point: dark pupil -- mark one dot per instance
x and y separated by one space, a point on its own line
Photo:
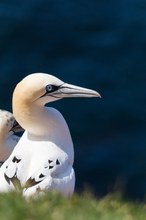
51 88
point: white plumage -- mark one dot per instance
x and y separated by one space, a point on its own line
43 158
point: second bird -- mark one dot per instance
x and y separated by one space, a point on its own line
8 130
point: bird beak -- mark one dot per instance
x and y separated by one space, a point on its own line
16 128
68 91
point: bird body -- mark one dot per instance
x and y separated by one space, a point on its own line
43 158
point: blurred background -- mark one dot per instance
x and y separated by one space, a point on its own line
98 44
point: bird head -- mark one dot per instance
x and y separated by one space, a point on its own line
42 88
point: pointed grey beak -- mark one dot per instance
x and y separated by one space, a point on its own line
68 91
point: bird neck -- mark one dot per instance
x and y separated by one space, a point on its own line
31 117
4 133
5 150
42 122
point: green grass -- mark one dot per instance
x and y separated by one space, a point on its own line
79 207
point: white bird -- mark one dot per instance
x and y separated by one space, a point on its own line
43 158
8 128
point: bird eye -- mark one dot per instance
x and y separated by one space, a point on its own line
51 88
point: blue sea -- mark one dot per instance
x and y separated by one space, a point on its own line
99 44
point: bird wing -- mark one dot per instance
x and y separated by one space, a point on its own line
53 174
11 172
63 183
43 178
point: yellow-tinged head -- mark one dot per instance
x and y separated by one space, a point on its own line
43 88
35 90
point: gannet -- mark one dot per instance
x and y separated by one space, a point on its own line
43 158
8 138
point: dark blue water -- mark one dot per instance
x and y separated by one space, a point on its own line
99 44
